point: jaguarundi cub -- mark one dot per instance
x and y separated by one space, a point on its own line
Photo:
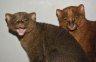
73 19
44 42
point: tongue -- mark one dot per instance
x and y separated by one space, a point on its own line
21 31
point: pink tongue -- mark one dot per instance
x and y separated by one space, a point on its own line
21 31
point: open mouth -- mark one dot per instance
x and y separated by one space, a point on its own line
21 31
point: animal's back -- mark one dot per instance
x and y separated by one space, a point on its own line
60 46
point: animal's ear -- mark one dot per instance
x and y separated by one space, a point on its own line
59 13
8 17
33 16
81 9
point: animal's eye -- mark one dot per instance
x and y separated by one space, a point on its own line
25 20
65 19
76 17
15 20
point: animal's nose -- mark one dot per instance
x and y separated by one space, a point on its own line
71 21
20 25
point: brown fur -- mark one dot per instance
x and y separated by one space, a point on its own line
73 19
44 42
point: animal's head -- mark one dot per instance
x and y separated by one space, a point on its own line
70 17
20 23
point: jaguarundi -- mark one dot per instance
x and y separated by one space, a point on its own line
44 42
73 19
